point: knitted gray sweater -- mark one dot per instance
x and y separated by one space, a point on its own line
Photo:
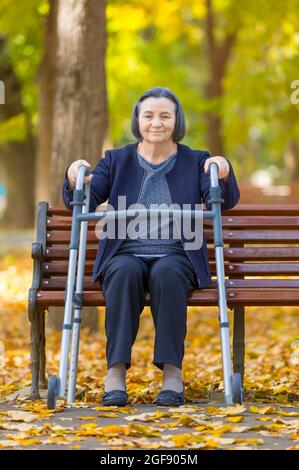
154 190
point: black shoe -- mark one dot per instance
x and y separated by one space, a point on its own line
115 397
170 398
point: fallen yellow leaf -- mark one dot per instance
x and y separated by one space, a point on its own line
250 440
114 429
151 416
211 410
266 410
89 426
141 430
24 416
28 442
285 413
226 411
232 410
225 440
189 420
240 429
235 419
182 440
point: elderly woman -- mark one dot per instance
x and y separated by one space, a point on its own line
154 170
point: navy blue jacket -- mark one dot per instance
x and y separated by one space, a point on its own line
119 174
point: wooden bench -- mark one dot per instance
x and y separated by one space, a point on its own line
261 246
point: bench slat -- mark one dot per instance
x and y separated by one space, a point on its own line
204 297
227 221
229 236
242 209
60 283
59 267
237 254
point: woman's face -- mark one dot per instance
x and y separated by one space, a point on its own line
157 120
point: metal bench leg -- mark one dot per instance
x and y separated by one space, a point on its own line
239 340
34 355
43 383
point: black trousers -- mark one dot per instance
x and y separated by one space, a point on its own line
125 279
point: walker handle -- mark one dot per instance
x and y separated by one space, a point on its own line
83 171
213 169
87 170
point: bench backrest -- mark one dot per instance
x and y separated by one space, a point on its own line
279 194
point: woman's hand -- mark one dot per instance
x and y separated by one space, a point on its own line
72 173
223 166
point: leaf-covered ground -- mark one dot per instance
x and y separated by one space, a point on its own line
269 417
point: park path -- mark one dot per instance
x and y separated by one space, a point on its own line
84 426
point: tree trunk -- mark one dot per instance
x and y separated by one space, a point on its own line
16 158
46 84
291 160
80 109
218 56
214 120
80 105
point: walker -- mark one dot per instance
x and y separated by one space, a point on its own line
233 391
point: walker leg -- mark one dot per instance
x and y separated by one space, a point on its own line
57 385
74 357
67 324
78 300
215 199
224 328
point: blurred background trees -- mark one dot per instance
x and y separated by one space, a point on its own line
73 71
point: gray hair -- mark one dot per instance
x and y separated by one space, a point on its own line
160 92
